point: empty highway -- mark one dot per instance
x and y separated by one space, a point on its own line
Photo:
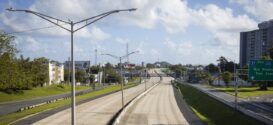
98 111
156 107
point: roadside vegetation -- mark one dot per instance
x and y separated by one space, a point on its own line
214 112
19 74
38 92
7 119
245 92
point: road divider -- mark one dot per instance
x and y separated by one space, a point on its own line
131 103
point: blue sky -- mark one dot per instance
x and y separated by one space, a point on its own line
186 32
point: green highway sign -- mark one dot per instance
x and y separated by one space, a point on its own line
260 70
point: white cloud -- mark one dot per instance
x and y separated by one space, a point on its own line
121 40
154 52
32 45
261 9
140 48
215 19
190 53
175 16
182 49
223 24
98 35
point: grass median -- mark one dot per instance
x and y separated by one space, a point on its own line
39 92
18 115
245 92
212 111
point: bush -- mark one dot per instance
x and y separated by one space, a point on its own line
226 76
60 86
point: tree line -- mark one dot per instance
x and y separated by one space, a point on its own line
21 73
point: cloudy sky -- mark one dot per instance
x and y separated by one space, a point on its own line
177 31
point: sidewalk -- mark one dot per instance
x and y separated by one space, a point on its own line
262 111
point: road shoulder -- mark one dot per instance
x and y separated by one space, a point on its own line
185 109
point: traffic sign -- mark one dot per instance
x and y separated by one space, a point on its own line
260 70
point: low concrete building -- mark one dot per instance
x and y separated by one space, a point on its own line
79 65
55 73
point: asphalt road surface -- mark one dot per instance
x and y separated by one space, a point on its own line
157 107
98 111
11 107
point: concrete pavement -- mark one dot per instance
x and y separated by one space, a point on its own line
98 111
156 107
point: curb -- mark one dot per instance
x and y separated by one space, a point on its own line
185 109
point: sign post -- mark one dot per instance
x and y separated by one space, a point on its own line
260 70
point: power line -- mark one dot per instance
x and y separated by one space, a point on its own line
33 29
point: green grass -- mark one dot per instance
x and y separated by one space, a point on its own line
15 116
245 92
214 112
38 92
202 117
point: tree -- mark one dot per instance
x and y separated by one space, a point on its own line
11 79
19 74
178 69
25 66
92 78
226 76
111 74
95 69
211 68
7 45
222 62
80 76
40 71
149 65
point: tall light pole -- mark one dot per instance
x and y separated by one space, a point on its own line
87 22
120 59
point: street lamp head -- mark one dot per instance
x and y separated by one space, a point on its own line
132 9
10 9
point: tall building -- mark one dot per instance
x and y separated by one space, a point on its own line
256 43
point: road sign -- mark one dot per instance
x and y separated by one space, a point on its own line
260 70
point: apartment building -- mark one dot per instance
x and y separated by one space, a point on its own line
56 72
256 43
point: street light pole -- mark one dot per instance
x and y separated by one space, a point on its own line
72 31
145 79
73 103
121 75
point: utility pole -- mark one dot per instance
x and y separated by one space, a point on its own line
127 51
71 29
96 57
121 74
69 67
145 79
235 85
